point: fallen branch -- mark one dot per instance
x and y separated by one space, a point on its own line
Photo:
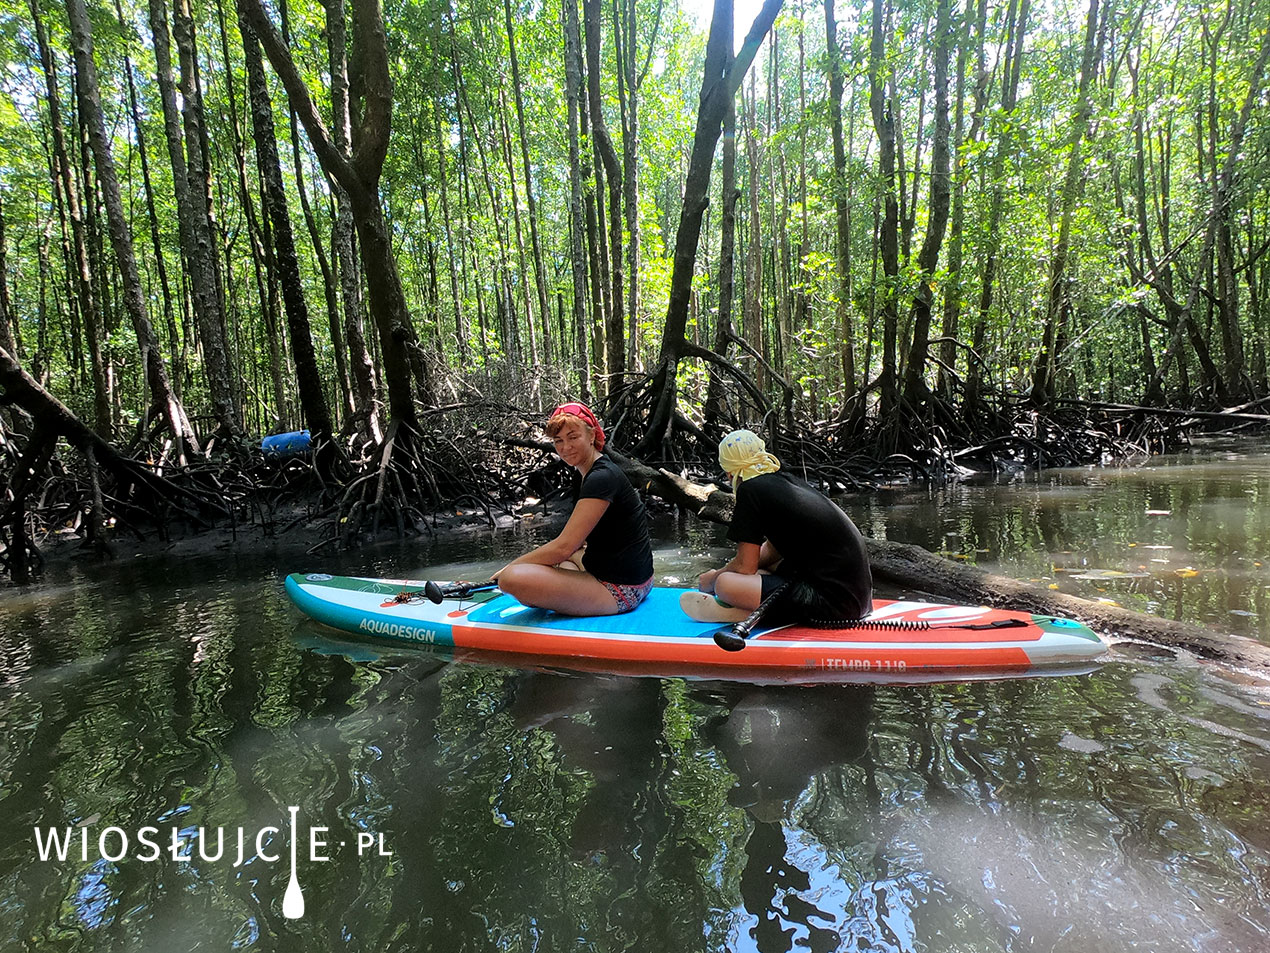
911 566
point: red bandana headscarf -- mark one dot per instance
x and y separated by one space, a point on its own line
583 413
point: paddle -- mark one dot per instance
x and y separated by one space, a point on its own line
732 638
455 590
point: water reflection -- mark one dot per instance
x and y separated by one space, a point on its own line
599 726
776 741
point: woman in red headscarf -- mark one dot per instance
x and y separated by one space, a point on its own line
606 536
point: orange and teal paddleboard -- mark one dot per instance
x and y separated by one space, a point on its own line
899 637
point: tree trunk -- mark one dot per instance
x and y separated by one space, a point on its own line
363 367
723 332
85 296
780 217
176 154
625 40
152 215
1224 213
535 357
951 326
719 85
360 178
1016 30
923 301
460 322
615 331
7 317
160 389
884 125
802 305
842 207
597 246
312 397
531 200
202 252
105 282
629 80
343 390
577 221
752 310
330 291
597 284
260 243
508 333
1044 372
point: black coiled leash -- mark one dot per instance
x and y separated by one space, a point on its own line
732 638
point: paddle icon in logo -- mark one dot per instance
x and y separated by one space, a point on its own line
293 899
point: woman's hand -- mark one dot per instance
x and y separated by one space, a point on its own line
570 544
705 582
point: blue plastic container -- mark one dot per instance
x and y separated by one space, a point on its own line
283 446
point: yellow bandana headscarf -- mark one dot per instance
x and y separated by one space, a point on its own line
743 455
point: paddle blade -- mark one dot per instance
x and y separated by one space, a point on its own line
293 900
433 592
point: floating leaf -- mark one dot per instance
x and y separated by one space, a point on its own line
1187 572
1105 575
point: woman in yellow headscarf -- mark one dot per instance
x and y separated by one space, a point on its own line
787 533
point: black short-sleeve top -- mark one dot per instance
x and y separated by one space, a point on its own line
619 549
817 542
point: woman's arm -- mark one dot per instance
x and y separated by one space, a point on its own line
582 520
745 561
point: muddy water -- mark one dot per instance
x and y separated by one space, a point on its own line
160 719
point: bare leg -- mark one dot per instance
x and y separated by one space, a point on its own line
743 590
567 591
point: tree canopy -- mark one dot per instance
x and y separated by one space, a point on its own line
220 219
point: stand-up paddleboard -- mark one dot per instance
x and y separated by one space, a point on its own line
898 638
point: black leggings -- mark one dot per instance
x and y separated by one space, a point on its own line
798 603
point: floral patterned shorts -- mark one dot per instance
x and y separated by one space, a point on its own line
628 597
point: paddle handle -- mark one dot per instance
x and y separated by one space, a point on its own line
436 593
732 638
